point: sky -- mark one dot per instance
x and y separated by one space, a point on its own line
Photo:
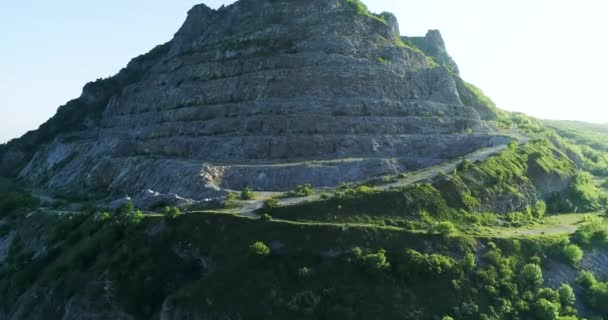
547 58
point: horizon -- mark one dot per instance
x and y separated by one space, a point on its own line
54 50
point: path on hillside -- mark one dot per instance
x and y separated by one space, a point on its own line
249 208
553 225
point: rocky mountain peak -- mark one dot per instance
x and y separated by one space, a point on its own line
434 38
266 94
433 45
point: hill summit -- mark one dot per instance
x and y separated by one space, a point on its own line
266 94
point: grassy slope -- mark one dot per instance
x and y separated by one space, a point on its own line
145 270
481 187
203 260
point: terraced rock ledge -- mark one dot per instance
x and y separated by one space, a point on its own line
293 92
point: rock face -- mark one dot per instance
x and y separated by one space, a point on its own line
263 93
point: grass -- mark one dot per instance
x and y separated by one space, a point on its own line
551 225
362 9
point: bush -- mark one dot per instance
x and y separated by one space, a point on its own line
445 228
259 249
231 197
373 262
171 213
596 291
418 266
546 310
266 217
539 210
566 295
531 276
128 215
464 165
573 254
247 194
586 279
104 217
271 203
304 190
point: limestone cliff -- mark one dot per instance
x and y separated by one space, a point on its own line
261 93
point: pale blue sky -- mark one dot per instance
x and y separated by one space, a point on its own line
546 58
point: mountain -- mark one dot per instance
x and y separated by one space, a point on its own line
300 159
262 94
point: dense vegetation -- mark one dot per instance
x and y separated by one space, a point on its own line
470 196
319 272
588 141
417 252
422 251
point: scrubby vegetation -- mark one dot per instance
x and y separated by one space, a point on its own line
389 274
14 200
596 292
247 194
362 9
470 197
300 191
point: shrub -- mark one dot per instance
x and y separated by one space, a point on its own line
128 215
566 295
416 265
586 279
573 254
266 217
104 217
464 165
546 310
259 249
596 291
271 203
304 190
531 276
247 194
231 197
445 228
373 262
539 210
171 213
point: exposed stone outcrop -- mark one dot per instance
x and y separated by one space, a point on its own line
253 94
433 45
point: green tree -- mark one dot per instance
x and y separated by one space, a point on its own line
540 209
259 249
271 203
531 276
445 228
371 261
566 295
546 310
573 254
586 279
128 215
104 217
171 213
247 194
